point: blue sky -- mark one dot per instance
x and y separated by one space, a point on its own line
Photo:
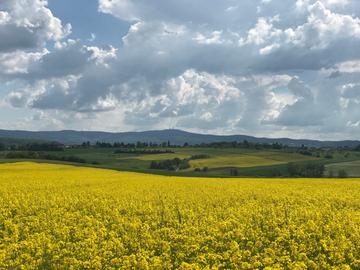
270 68
86 20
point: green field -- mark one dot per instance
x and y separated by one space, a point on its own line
227 158
247 160
218 161
352 168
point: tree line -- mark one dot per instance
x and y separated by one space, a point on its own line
45 156
170 164
46 147
138 144
304 150
178 164
142 151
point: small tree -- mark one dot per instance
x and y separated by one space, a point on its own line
2 147
328 156
342 174
234 172
154 165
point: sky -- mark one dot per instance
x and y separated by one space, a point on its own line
273 68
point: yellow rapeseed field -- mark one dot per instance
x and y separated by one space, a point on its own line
64 217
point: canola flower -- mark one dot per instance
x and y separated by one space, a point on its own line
65 217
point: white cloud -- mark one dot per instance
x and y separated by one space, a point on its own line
18 62
28 24
302 5
248 66
352 66
322 29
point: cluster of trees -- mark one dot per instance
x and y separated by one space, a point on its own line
44 156
310 169
234 144
306 170
142 151
234 172
340 174
178 164
312 151
126 145
46 146
305 152
244 144
199 156
204 169
328 156
170 164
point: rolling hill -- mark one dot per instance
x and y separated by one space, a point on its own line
177 137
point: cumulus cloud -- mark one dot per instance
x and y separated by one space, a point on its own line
224 65
304 111
17 62
184 12
28 24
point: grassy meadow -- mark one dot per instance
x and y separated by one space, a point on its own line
225 158
218 161
352 168
64 217
214 162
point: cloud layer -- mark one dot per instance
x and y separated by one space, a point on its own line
263 67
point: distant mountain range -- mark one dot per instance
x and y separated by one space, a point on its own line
177 137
